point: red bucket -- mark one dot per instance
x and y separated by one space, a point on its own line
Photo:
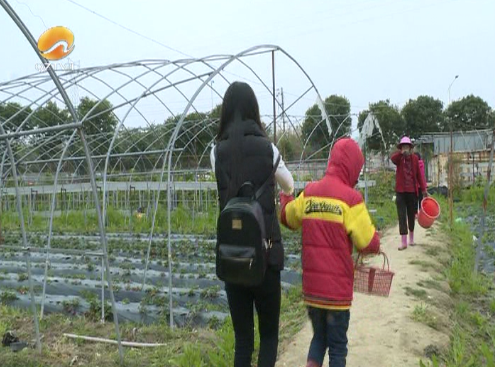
430 211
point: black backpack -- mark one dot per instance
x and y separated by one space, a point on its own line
242 247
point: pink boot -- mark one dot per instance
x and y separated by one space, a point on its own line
312 363
403 244
411 239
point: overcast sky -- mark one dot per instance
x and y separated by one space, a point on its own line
366 50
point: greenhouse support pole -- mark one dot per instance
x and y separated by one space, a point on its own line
485 204
451 179
24 238
274 101
102 290
29 37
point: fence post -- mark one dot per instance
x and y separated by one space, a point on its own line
485 204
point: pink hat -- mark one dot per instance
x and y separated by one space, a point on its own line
405 140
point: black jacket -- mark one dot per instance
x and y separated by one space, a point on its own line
256 166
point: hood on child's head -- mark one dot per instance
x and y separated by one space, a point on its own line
346 161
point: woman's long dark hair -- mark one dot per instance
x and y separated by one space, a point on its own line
239 105
239 98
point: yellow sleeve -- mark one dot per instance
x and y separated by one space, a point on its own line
294 212
359 226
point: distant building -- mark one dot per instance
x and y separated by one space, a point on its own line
471 154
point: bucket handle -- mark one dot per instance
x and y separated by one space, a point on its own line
385 260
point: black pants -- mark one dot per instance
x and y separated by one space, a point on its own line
266 299
329 332
407 205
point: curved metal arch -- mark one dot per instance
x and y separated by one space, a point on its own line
13 15
208 126
19 128
93 77
117 129
270 92
145 93
308 139
188 134
114 91
50 225
174 137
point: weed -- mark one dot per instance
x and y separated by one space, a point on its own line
210 292
22 277
7 297
431 284
432 251
191 357
88 296
418 293
214 323
489 355
423 315
76 276
425 265
462 309
94 313
71 306
469 334
434 362
223 354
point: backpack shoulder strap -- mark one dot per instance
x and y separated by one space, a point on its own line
263 187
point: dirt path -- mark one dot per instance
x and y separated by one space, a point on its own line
382 332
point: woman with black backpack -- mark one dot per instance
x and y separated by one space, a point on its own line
244 154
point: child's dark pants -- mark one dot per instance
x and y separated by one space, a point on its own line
329 331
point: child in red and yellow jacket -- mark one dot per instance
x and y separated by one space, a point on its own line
333 218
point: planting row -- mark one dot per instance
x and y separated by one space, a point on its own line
74 282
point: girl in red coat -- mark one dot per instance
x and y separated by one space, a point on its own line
334 218
408 180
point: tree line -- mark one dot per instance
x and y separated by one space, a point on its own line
309 139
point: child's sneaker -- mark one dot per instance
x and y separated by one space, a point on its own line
403 244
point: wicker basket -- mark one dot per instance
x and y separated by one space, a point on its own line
373 280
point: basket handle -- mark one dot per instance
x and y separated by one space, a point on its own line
385 260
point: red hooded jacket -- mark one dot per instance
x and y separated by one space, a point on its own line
399 160
333 218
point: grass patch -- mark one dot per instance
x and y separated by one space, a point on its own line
425 265
7 297
418 293
431 284
77 221
473 295
432 251
184 347
424 315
